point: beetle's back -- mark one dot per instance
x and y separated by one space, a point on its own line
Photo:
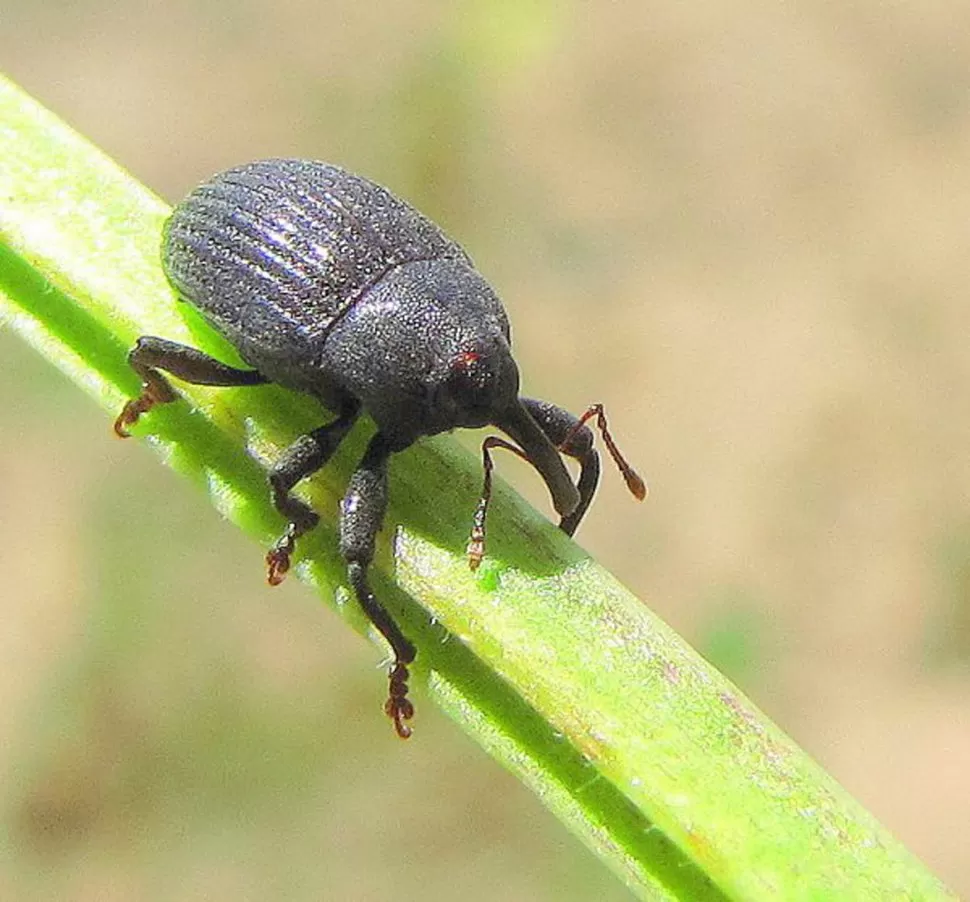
274 252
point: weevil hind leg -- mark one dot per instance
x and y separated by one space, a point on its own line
361 515
151 354
301 459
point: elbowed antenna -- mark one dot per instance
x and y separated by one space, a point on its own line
543 455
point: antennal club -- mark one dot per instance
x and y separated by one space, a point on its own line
570 436
633 480
476 543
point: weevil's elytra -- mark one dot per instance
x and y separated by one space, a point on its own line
328 284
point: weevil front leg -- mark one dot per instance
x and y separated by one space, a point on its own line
151 354
304 457
573 437
361 515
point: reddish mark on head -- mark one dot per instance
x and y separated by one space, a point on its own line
465 360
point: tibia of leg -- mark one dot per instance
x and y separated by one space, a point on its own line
152 354
398 706
574 439
304 457
362 514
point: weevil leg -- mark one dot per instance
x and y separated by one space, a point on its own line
151 354
361 516
570 437
305 456
574 438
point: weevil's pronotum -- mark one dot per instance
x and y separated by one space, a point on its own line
329 284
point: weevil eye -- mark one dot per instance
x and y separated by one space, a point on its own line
466 387
467 374
475 385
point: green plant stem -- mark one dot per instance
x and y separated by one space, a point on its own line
648 754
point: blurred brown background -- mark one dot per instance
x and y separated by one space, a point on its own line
744 228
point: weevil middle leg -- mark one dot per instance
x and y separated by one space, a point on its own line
304 457
361 515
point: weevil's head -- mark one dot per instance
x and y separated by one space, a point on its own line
428 350
480 387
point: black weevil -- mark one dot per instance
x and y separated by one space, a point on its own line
329 284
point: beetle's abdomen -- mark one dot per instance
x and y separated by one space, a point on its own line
283 248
